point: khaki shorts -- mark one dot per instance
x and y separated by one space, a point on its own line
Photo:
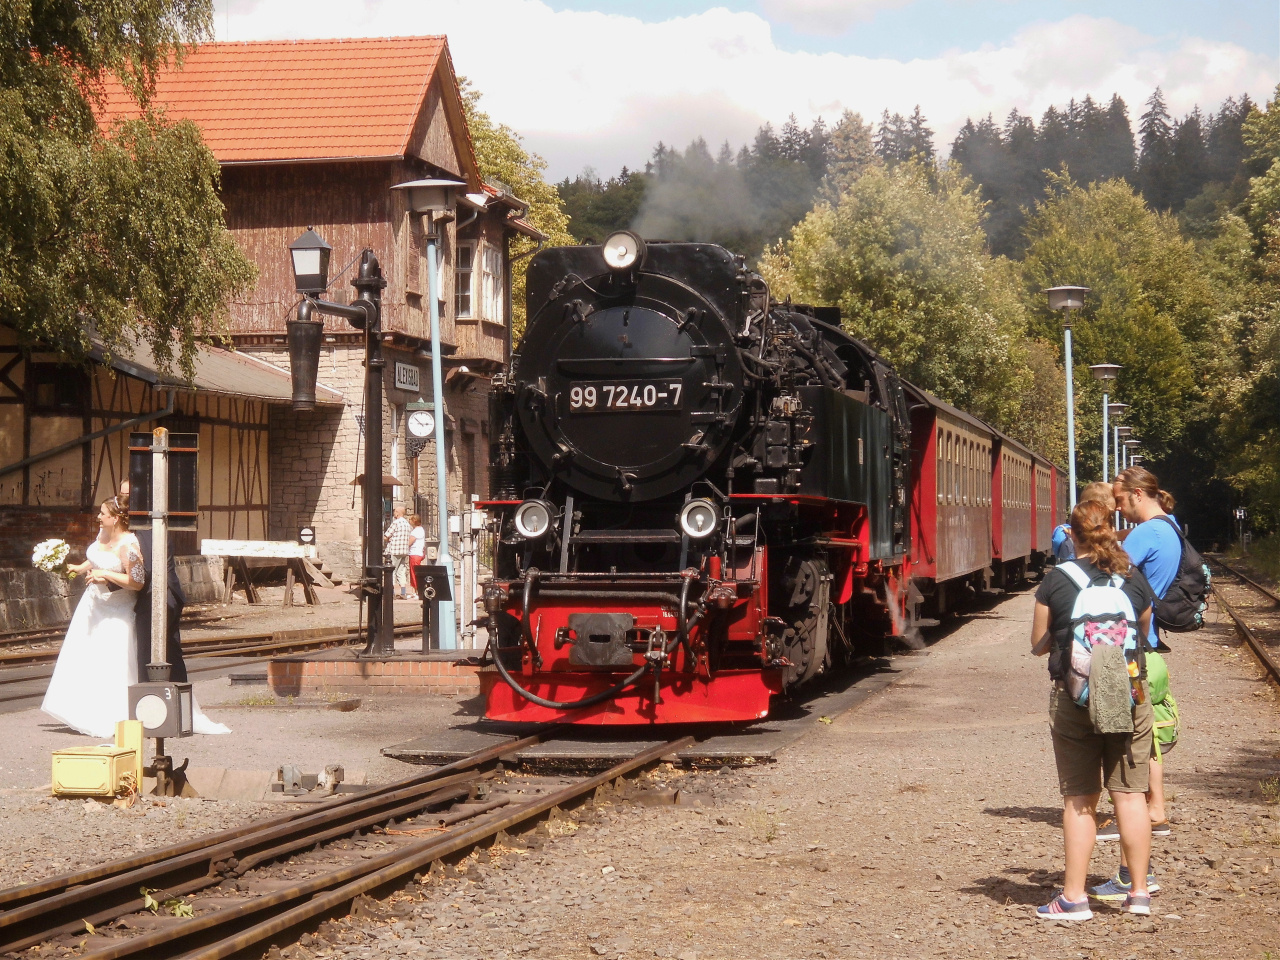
1087 760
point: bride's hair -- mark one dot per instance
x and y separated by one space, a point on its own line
119 511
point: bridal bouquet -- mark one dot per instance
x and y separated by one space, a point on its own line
51 556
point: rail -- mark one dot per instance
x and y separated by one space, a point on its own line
448 802
1266 653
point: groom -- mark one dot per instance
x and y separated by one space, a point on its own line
176 600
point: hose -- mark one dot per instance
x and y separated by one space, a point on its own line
613 691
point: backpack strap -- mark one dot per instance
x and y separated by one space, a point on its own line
1176 529
1075 574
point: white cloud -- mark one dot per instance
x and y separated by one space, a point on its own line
601 89
826 17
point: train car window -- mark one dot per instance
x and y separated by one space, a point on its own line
950 468
968 472
939 473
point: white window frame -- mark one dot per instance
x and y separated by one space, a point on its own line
491 299
464 281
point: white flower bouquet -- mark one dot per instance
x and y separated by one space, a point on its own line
51 556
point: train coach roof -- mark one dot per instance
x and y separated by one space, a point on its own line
924 396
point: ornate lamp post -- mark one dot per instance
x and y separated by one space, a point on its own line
310 258
1106 372
1068 299
431 199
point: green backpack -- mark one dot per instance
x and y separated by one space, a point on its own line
1163 706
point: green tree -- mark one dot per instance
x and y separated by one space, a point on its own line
902 253
503 159
109 234
1150 301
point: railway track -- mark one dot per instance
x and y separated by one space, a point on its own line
262 882
1255 610
231 650
239 644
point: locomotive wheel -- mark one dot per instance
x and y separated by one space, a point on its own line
807 649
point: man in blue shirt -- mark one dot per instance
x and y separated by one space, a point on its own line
1156 549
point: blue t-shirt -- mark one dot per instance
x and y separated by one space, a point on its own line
1064 548
1155 548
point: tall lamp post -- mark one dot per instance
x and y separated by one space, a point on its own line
1068 300
1121 434
1115 411
310 260
431 199
1105 372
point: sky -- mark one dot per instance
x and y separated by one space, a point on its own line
597 83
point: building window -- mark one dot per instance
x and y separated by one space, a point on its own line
56 388
491 285
462 272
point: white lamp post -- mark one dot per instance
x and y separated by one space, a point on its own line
429 198
1106 372
1068 299
1115 411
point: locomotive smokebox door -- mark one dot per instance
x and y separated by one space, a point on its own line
600 639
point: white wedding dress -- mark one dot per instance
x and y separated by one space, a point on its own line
89 690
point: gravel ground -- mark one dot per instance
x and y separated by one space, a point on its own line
923 823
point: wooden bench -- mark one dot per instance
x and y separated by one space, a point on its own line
296 558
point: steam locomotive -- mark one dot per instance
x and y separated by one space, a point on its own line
705 498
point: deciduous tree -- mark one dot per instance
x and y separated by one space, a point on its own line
109 234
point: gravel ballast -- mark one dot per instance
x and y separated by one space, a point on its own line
923 823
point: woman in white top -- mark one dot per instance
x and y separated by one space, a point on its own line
417 548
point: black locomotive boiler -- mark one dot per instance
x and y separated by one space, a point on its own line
702 494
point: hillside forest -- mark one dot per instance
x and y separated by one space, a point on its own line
940 262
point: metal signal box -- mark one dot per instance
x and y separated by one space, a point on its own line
105 771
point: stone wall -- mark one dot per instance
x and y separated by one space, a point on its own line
316 455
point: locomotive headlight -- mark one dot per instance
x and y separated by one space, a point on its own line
623 250
698 519
533 519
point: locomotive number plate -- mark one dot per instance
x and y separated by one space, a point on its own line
623 396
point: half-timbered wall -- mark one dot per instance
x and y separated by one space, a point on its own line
59 495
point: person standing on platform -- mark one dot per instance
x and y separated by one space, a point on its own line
1155 548
396 540
417 548
1086 759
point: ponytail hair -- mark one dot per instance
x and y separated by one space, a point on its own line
1139 478
1091 527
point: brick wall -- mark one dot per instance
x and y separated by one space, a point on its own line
296 677
21 528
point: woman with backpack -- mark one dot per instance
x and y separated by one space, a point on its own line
1089 615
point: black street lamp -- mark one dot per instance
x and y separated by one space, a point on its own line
310 260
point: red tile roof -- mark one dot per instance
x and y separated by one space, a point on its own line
299 100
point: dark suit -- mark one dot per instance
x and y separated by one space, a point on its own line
177 599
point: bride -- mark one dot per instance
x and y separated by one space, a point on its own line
89 690
96 666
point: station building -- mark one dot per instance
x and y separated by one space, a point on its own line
308 134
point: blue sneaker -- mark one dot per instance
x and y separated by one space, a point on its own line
1060 908
1114 891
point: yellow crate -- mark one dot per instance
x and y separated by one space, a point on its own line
93 771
